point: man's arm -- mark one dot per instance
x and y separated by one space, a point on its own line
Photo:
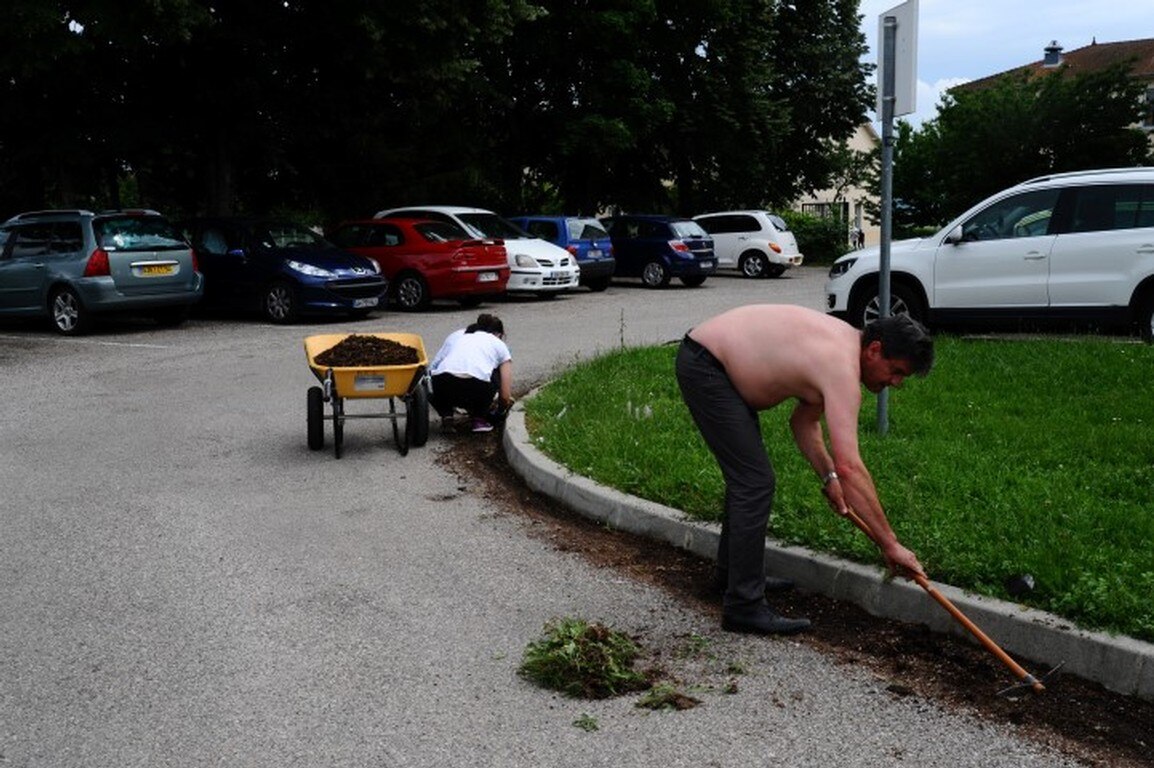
806 425
854 486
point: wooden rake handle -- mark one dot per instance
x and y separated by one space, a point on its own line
971 627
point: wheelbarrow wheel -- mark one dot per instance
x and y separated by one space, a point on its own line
316 418
338 425
400 436
417 416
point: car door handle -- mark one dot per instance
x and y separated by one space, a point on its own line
1034 256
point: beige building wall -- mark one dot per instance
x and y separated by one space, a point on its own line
864 139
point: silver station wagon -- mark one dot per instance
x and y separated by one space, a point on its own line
74 265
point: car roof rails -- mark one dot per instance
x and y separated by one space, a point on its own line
1086 173
131 212
51 212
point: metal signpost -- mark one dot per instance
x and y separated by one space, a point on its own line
897 95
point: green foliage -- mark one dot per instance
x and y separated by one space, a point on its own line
587 722
583 660
666 697
349 106
821 240
986 139
1012 457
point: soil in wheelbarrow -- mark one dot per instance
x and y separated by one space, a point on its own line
362 351
1077 718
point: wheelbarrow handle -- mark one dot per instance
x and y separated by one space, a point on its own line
961 618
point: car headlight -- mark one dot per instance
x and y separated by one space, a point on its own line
525 260
841 267
308 269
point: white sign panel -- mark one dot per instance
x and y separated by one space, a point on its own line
905 58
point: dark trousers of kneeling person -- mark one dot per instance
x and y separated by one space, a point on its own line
473 395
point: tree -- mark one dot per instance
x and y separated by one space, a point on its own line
1023 126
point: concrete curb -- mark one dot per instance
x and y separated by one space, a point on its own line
1121 664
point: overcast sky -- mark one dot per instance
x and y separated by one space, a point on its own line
960 40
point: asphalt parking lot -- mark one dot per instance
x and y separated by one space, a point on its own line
186 584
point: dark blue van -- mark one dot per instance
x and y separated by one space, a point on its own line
657 248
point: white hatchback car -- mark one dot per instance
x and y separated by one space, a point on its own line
758 243
1077 246
535 265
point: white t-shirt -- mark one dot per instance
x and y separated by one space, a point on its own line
475 354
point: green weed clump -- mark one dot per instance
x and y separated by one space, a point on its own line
584 660
1011 457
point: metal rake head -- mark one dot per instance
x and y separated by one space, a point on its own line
1030 683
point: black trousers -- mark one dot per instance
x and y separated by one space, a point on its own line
474 395
732 430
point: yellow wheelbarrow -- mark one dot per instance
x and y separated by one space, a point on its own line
406 383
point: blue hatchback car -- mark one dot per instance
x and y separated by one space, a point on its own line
284 269
657 248
582 236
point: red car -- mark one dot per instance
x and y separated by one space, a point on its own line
426 260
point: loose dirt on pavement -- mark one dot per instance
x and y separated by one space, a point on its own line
1078 718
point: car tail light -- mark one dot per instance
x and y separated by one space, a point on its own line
572 249
776 248
97 265
679 246
195 261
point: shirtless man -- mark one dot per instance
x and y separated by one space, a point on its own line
753 358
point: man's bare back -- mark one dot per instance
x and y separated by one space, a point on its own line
774 352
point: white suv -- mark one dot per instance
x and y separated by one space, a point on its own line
758 243
535 265
1076 246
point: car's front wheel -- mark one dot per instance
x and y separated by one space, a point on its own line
655 275
280 303
411 292
865 307
69 315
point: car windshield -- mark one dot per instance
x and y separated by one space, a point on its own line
137 233
586 229
440 231
778 222
685 229
284 234
492 225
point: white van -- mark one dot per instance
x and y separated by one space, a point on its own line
757 243
535 265
1076 246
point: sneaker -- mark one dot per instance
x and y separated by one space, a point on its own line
480 425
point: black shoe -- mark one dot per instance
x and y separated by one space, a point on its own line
772 584
763 622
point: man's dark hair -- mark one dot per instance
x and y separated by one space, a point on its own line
902 338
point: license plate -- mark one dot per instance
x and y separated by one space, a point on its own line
155 270
487 277
594 253
558 275
362 303
707 265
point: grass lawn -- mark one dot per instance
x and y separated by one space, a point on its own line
1011 457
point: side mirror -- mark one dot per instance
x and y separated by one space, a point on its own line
955 235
